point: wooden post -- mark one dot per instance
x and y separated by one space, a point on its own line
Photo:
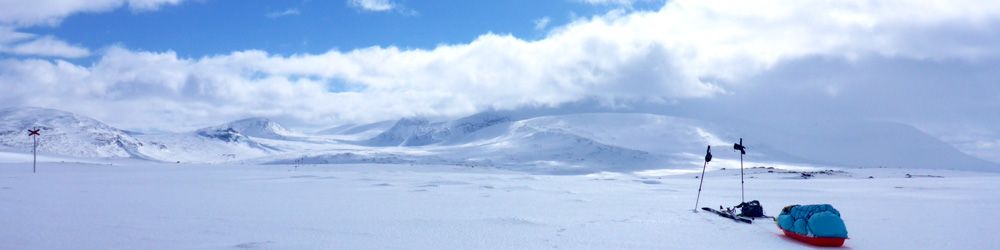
34 156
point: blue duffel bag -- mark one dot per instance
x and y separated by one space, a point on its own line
820 220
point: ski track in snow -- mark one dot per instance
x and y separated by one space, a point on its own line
140 205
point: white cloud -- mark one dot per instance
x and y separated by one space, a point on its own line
686 50
45 46
278 14
541 23
27 44
51 12
372 5
20 14
146 5
8 35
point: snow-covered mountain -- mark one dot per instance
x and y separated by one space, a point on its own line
366 130
420 131
633 141
542 144
64 133
238 140
861 144
254 127
562 143
406 132
203 146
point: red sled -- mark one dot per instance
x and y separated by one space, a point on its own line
815 241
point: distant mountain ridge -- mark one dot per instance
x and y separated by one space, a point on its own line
561 143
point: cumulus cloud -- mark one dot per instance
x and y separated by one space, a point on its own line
20 14
687 50
372 5
51 12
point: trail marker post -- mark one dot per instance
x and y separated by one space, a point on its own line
33 133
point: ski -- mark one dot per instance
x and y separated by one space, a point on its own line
728 215
770 218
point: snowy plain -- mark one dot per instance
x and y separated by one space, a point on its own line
127 204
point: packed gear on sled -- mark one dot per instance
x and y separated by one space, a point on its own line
818 225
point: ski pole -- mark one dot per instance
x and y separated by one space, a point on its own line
743 151
708 158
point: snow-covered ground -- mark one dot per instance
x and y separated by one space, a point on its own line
130 204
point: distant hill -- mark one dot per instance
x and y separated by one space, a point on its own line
64 133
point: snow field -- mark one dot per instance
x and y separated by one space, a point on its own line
129 205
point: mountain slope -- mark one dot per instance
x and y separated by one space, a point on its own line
237 140
64 133
863 144
254 127
421 132
369 129
203 146
405 132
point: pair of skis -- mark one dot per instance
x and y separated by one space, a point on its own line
728 213
731 214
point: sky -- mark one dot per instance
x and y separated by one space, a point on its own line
186 64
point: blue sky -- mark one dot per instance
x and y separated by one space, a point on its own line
294 27
314 64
